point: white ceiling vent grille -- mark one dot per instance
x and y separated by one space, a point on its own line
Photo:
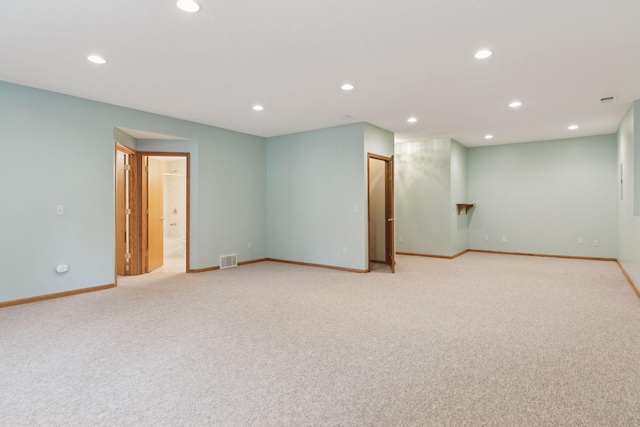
228 261
607 99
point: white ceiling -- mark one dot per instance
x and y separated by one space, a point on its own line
405 58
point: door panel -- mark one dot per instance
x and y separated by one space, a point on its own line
155 219
121 204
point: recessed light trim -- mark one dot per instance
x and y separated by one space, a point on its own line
488 136
258 107
412 120
573 127
188 5
515 104
483 54
347 86
96 59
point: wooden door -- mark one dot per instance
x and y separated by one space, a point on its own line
121 205
155 215
391 219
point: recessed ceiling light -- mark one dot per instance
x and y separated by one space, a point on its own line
258 107
347 86
515 104
573 127
482 54
412 120
97 59
345 117
488 137
188 5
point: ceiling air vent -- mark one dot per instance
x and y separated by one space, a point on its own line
607 99
227 261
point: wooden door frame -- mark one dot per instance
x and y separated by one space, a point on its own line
141 195
388 208
134 242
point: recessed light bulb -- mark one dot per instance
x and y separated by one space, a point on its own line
573 127
188 5
97 59
347 86
412 120
488 137
482 54
515 104
258 107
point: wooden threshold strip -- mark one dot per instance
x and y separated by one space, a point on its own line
56 295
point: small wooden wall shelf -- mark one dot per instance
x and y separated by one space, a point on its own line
464 206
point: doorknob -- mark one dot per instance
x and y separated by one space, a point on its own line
392 219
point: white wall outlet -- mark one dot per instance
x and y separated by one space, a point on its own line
596 243
356 208
504 238
249 245
580 240
485 238
59 210
400 239
344 250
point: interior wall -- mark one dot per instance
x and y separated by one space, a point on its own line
377 214
459 222
628 145
544 196
316 197
59 150
423 197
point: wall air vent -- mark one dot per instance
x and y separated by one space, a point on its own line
607 99
228 261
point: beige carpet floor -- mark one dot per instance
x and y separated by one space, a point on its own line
480 340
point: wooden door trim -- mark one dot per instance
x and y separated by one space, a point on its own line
139 193
388 168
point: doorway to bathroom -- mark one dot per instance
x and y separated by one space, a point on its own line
152 211
165 212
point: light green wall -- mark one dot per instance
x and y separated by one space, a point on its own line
628 144
459 222
423 197
59 150
543 196
316 181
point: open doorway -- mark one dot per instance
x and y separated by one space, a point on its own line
381 212
152 211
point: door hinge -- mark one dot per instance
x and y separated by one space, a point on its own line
127 211
127 167
127 255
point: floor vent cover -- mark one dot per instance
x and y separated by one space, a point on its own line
228 261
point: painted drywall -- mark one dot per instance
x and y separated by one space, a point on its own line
377 216
423 197
628 147
544 196
59 150
315 185
459 222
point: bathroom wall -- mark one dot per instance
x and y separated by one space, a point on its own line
175 195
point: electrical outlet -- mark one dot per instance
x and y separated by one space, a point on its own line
504 238
485 238
400 239
59 210
356 208
580 240
596 243
249 245
344 250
